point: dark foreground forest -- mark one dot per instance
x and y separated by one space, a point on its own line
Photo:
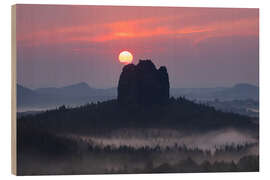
107 137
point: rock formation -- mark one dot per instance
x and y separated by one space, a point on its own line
143 84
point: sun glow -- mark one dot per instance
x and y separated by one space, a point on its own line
125 57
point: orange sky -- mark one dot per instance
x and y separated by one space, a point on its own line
142 27
99 33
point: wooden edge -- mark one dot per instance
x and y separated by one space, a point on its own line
13 92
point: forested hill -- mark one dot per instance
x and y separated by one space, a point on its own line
178 113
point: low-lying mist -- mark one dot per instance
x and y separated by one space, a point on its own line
142 150
167 138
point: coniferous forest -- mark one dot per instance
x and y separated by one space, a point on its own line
107 137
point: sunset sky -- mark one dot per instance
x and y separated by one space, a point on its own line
201 47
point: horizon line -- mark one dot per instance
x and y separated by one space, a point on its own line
82 82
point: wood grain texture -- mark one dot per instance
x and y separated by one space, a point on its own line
13 92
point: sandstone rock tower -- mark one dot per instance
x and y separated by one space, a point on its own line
143 84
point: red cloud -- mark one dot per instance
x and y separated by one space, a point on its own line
142 28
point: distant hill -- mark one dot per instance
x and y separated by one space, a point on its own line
78 90
25 96
22 91
76 94
238 91
82 93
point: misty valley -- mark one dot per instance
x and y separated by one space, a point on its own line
144 130
55 143
94 154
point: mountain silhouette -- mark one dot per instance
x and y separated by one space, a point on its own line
23 91
79 89
143 84
51 97
82 93
241 91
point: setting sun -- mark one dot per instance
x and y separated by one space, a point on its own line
125 57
